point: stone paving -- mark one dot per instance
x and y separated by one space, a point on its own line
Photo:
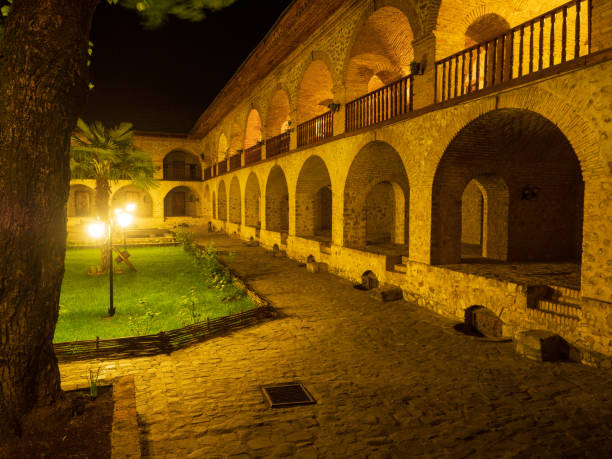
390 380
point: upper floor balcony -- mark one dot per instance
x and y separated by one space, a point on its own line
542 46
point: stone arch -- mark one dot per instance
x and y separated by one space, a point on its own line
182 201
544 183
253 131
313 200
381 52
182 165
223 148
484 218
252 198
277 201
131 194
278 120
221 201
234 201
81 201
376 197
316 91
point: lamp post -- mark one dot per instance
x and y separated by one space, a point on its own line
97 229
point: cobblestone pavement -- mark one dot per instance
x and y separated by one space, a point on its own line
390 380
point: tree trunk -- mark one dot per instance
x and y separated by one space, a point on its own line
43 85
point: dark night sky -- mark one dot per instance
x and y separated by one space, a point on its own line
163 80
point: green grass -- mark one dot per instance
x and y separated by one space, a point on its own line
165 275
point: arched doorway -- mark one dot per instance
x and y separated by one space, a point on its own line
132 194
519 157
313 200
376 199
315 92
181 165
81 201
277 201
252 133
182 201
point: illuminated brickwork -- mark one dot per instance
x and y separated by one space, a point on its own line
435 200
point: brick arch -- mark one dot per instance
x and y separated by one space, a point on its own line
449 19
279 113
182 201
277 201
532 155
235 142
221 201
381 49
376 174
253 131
315 89
313 199
252 200
234 201
132 194
578 132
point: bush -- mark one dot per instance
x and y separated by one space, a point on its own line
141 323
185 238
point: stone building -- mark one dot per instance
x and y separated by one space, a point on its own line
458 149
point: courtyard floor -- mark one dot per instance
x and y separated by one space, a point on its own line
390 380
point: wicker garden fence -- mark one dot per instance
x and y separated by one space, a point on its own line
167 341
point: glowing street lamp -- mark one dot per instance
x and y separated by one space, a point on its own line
97 230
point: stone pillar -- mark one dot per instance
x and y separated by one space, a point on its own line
424 53
596 247
339 116
601 24
420 223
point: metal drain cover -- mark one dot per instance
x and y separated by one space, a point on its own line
290 394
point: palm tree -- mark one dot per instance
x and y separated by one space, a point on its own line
109 155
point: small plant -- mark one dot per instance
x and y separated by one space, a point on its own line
93 382
142 323
185 238
191 311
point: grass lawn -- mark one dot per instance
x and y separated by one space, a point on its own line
165 275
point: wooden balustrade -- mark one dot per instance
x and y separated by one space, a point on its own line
221 167
318 128
383 104
252 154
235 162
277 145
528 48
208 173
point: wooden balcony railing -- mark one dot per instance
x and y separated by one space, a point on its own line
555 37
316 129
252 154
277 145
221 167
208 173
385 103
182 171
235 162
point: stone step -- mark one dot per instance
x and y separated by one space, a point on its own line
400 269
565 295
560 308
547 318
325 249
405 260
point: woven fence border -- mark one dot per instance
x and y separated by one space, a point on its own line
169 341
